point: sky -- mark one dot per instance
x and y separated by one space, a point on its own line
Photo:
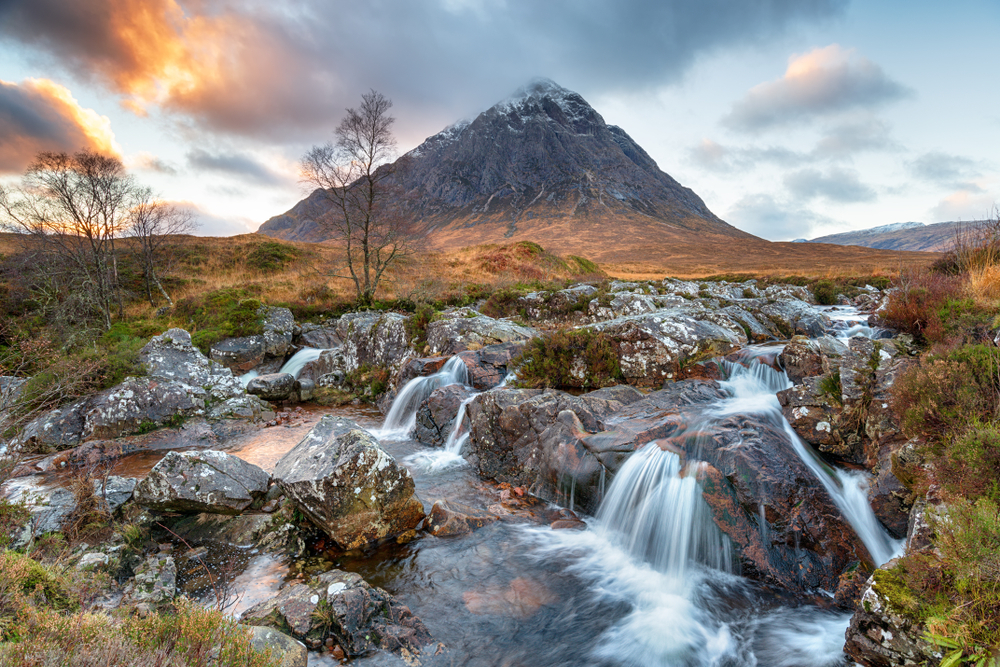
790 118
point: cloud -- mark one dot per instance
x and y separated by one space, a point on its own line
762 215
713 156
839 185
950 171
965 205
236 164
858 135
149 162
816 84
282 70
210 224
39 115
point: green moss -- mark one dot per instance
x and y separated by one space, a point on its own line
225 313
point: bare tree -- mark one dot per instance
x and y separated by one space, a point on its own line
75 207
152 222
354 173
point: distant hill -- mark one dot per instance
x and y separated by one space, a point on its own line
541 165
915 236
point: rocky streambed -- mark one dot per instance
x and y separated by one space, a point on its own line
726 506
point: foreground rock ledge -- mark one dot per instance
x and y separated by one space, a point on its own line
205 481
348 486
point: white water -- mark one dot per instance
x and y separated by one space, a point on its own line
402 417
752 390
293 366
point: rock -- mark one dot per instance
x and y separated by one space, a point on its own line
272 387
651 348
304 389
279 325
239 354
329 361
448 517
114 490
464 329
437 413
419 367
10 389
794 316
373 339
93 560
287 651
359 617
137 403
489 366
799 360
201 481
348 486
155 581
319 337
49 509
814 417
542 440
890 499
881 636
59 429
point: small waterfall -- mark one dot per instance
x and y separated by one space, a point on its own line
655 504
402 415
298 361
294 365
752 390
458 436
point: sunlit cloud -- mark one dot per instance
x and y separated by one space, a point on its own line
40 115
148 162
815 84
210 224
966 205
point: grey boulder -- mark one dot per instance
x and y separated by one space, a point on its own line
205 481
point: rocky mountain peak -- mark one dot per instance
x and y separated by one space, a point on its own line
540 164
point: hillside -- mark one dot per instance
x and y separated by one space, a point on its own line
913 236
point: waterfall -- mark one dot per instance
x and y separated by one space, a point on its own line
752 389
656 507
293 366
402 415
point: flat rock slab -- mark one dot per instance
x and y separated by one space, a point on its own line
348 486
205 481
448 517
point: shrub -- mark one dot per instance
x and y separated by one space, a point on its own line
580 358
945 391
416 325
825 292
916 308
224 313
270 256
970 462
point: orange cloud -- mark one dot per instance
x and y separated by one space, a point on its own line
40 115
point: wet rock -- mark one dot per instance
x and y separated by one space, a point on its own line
359 617
448 517
304 390
464 329
373 339
542 440
489 366
203 481
155 581
800 360
137 403
279 325
651 348
329 362
522 598
755 330
437 413
286 650
272 387
348 486
793 316
890 499
59 429
814 417
881 636
420 367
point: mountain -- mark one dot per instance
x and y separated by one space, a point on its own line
540 165
916 236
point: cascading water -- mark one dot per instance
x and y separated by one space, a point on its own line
293 366
402 415
752 389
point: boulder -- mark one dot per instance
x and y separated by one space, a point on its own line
815 417
348 486
800 360
155 581
49 507
794 316
651 348
319 337
138 403
489 366
542 440
272 387
115 491
331 361
437 413
881 636
373 339
287 651
279 325
239 354
201 481
465 329
448 517
56 430
359 617
419 367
